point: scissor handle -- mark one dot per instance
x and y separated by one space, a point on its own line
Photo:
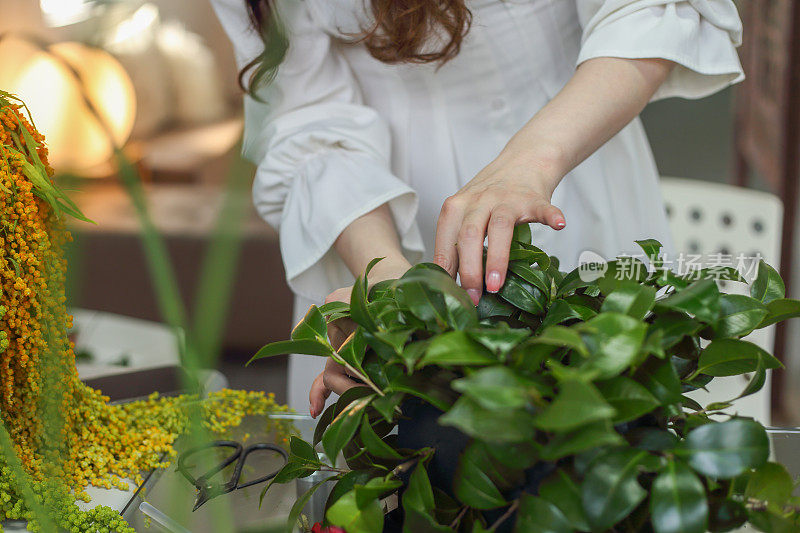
237 473
200 481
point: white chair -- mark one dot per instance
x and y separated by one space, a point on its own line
711 218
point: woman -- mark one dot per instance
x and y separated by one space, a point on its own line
414 130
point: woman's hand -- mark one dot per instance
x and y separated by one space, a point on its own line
603 95
335 378
513 189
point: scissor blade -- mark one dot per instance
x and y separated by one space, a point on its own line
202 497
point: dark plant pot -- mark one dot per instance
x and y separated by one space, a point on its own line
419 428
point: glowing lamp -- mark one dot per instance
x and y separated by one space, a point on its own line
46 80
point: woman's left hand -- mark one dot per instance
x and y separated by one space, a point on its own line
509 191
335 377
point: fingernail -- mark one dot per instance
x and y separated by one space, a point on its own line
312 412
493 281
475 294
560 224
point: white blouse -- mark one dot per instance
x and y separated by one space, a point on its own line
342 133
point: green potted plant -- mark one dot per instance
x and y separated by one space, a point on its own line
558 404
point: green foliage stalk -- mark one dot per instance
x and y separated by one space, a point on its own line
586 377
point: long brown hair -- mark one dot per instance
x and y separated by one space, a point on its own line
402 32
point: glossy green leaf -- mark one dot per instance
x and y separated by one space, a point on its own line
354 518
313 326
739 315
731 357
518 456
377 487
610 490
563 372
353 349
303 450
323 422
374 444
359 308
678 501
522 233
343 427
630 299
334 409
652 439
545 261
416 521
653 344
629 399
413 353
390 343
472 485
303 346
496 387
674 327
528 256
561 491
573 281
779 310
387 405
332 308
459 316
614 341
726 449
757 381
436 279
561 336
621 272
536 515
491 305
660 378
503 425
652 249
535 276
772 522
522 295
588 437
700 299
456 348
768 285
289 472
298 506
577 404
500 340
419 493
421 386
772 483
425 303
558 312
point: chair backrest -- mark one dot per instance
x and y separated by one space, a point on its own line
714 218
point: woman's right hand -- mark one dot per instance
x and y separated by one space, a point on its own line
335 378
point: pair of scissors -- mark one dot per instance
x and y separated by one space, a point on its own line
206 490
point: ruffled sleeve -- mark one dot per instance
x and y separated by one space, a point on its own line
700 36
323 156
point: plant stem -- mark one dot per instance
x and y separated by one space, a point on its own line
362 377
458 518
505 516
333 469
